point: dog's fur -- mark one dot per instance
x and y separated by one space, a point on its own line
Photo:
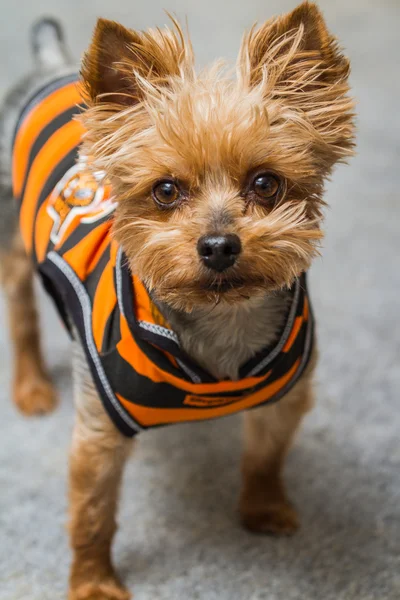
149 116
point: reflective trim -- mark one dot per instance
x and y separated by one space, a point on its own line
118 277
152 327
84 300
304 360
159 330
286 332
195 378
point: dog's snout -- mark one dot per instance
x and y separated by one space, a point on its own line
219 252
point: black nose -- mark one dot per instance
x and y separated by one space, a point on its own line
218 252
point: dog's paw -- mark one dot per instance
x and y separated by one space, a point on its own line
107 590
273 519
35 396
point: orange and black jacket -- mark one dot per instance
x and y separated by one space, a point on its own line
142 374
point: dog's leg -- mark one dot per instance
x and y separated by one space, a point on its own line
97 460
268 432
32 389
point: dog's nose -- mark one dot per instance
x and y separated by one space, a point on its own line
218 252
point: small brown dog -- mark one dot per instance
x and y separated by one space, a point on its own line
174 243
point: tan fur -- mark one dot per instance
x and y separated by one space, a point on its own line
225 337
287 111
151 116
98 455
33 392
268 433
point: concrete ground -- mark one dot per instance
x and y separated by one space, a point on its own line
180 538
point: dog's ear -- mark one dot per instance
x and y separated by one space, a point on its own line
296 45
120 62
298 63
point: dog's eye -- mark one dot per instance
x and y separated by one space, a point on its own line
166 193
266 186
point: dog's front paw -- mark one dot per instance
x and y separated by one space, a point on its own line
35 396
273 519
107 590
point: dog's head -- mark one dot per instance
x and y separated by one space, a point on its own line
219 181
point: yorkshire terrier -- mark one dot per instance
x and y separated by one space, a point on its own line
172 217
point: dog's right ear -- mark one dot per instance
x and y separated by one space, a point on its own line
107 62
120 62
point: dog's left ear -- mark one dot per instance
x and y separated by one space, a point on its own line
298 63
120 62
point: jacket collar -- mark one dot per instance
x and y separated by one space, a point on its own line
148 324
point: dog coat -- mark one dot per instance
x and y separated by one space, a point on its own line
142 375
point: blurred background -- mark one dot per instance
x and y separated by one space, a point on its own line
180 538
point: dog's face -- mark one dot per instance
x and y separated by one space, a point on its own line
219 182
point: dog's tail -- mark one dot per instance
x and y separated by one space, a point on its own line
48 44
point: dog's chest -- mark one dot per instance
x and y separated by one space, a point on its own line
222 339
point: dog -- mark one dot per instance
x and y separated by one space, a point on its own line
172 216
